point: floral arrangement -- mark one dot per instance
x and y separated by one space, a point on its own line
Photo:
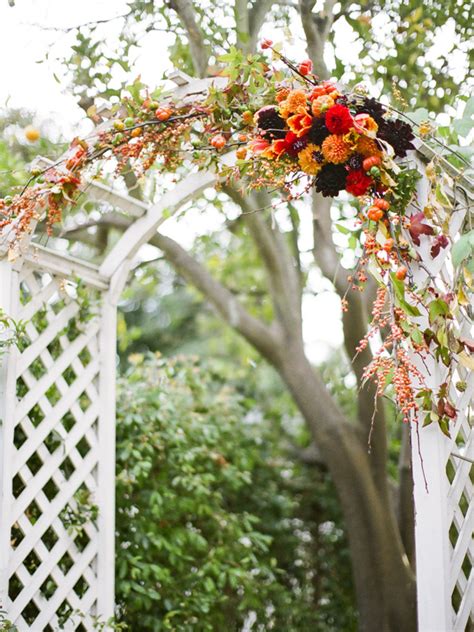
288 128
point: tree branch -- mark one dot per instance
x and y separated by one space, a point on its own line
259 335
187 15
316 29
257 15
354 323
285 287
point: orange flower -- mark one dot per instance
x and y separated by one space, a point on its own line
324 88
321 104
300 124
279 147
367 147
282 94
295 102
335 149
258 145
310 159
365 123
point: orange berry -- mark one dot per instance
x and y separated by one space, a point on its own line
31 133
241 153
136 132
247 117
380 203
371 161
163 114
401 273
388 245
242 138
218 141
375 214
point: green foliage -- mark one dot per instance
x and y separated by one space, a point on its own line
16 152
395 44
214 523
12 332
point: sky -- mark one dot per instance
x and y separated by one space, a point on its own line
33 31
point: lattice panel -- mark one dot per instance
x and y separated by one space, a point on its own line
54 521
445 511
460 511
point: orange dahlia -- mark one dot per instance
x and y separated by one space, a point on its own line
281 94
295 102
310 159
335 149
367 147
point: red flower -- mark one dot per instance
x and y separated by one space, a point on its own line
417 227
305 67
339 119
357 182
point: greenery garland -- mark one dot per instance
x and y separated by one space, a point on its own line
292 132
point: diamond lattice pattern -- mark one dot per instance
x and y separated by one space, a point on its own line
54 536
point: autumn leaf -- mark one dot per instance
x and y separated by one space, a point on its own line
417 227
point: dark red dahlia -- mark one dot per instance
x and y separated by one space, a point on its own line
372 107
358 182
330 180
318 131
355 162
398 134
339 119
270 122
294 144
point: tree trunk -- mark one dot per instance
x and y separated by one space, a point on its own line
384 581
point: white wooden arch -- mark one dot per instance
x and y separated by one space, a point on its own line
57 435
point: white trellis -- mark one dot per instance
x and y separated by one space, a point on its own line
57 437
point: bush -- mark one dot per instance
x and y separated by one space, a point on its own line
210 532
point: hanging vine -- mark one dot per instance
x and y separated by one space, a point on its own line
293 133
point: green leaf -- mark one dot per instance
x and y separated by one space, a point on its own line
437 308
463 248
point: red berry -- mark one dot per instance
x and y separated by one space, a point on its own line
266 43
305 67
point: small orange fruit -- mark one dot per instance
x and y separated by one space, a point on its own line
383 204
371 161
241 153
136 132
247 117
375 214
163 114
388 245
401 273
32 134
218 141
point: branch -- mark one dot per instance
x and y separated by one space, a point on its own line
354 322
262 337
257 15
187 15
316 29
284 281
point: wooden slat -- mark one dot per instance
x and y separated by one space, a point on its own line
30 354
62 363
56 506
47 425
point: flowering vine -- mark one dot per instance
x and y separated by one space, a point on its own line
292 132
